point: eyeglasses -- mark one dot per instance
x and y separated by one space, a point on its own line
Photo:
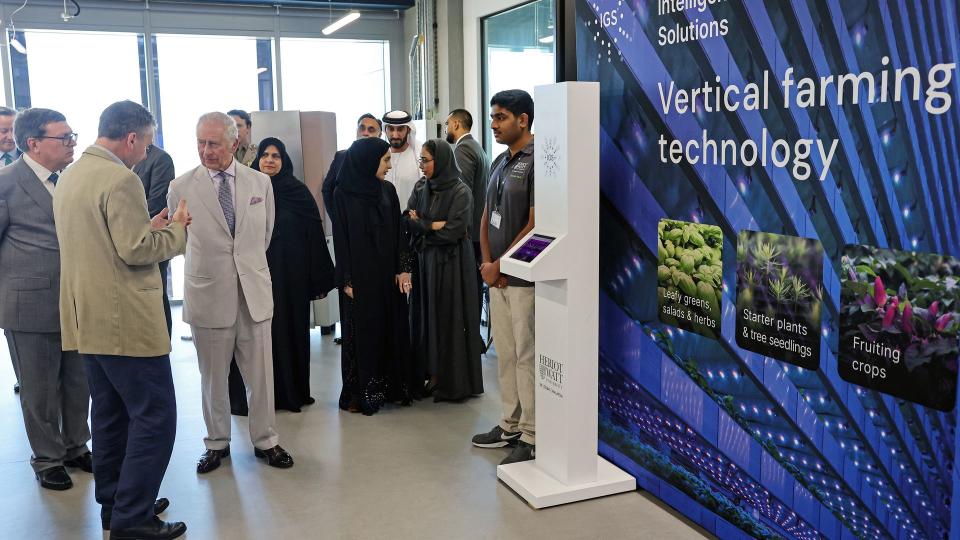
69 139
424 161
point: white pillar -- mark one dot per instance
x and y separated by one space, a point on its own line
566 275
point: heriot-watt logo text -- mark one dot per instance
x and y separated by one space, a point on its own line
551 375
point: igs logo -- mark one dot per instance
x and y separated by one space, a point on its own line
551 375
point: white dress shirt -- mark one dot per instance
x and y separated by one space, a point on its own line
42 173
110 154
231 172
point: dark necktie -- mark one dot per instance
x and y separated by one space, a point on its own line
7 159
53 178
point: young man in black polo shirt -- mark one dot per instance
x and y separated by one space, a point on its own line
507 218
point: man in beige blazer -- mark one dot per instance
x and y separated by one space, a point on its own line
111 311
228 297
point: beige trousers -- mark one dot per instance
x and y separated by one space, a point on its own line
512 316
251 344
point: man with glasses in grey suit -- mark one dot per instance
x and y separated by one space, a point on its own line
54 397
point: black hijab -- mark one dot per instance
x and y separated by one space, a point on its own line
288 191
358 174
446 172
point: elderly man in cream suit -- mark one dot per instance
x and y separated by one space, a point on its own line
228 298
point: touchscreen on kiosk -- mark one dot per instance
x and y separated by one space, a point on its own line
533 247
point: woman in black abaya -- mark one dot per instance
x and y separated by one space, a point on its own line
301 271
444 310
373 275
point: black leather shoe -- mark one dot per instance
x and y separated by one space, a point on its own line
155 529
55 478
210 460
276 457
83 462
159 506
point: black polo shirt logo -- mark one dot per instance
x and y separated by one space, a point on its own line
518 169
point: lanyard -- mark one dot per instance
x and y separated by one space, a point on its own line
502 180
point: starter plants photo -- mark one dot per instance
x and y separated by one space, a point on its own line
898 323
779 296
689 276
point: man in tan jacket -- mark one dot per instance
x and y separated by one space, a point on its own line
111 311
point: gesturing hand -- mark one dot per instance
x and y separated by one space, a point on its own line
181 215
160 220
348 291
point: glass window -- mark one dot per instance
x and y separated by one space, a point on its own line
518 52
191 84
346 77
80 90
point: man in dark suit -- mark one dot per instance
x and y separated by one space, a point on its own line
368 125
9 154
475 168
54 397
156 172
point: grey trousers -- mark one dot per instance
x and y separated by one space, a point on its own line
13 355
251 344
54 397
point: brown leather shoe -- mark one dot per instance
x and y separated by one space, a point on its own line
210 460
276 457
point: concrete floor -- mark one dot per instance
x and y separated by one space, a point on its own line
407 473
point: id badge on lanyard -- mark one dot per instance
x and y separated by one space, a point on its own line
496 217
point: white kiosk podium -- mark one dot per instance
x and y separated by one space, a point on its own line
562 256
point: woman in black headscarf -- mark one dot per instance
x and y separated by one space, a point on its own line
373 275
301 271
444 311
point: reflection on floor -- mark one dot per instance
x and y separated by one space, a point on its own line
404 473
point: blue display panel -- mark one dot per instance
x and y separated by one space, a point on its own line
823 140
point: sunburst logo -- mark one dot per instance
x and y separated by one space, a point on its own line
551 156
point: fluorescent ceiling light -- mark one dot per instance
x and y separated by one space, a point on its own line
546 40
15 43
340 23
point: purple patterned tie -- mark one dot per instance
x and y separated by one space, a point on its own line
225 196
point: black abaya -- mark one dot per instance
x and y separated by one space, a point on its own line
444 310
371 249
301 270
